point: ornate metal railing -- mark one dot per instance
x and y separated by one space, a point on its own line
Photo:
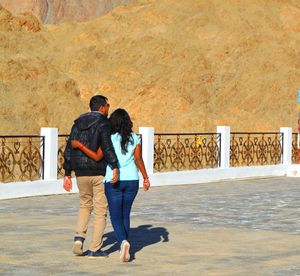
255 148
294 148
21 158
186 151
62 143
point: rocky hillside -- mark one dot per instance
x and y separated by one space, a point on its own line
58 11
174 65
34 91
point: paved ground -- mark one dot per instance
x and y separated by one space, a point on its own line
249 227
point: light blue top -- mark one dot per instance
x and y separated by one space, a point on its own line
127 167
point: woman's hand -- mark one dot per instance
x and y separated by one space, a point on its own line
146 184
75 144
115 177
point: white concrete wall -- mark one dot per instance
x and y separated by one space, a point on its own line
287 145
40 187
218 174
224 146
53 186
34 188
50 152
147 147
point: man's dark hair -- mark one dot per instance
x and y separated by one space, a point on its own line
97 101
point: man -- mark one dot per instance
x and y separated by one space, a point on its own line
93 130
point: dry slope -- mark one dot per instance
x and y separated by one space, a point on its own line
34 91
175 65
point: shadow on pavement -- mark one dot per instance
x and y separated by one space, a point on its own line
139 237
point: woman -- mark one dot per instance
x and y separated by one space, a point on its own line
120 196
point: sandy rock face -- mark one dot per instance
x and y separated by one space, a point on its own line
80 10
57 11
24 21
36 7
31 86
185 67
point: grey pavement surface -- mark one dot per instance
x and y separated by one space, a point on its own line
245 227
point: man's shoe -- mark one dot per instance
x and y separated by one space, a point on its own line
78 245
97 254
124 253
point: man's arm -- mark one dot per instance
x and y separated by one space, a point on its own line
67 157
67 185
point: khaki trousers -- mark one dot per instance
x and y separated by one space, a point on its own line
92 199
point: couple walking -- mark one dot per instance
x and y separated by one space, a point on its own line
104 152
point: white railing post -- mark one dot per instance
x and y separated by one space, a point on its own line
50 152
287 145
225 146
148 147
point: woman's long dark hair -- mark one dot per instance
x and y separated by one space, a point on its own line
121 123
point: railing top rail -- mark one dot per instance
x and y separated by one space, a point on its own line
193 133
256 132
21 136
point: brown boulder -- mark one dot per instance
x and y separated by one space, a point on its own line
36 7
25 21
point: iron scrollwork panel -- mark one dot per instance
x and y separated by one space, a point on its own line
251 149
195 154
212 152
294 148
62 143
177 155
21 158
276 150
186 151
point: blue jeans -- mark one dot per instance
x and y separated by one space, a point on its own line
120 198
